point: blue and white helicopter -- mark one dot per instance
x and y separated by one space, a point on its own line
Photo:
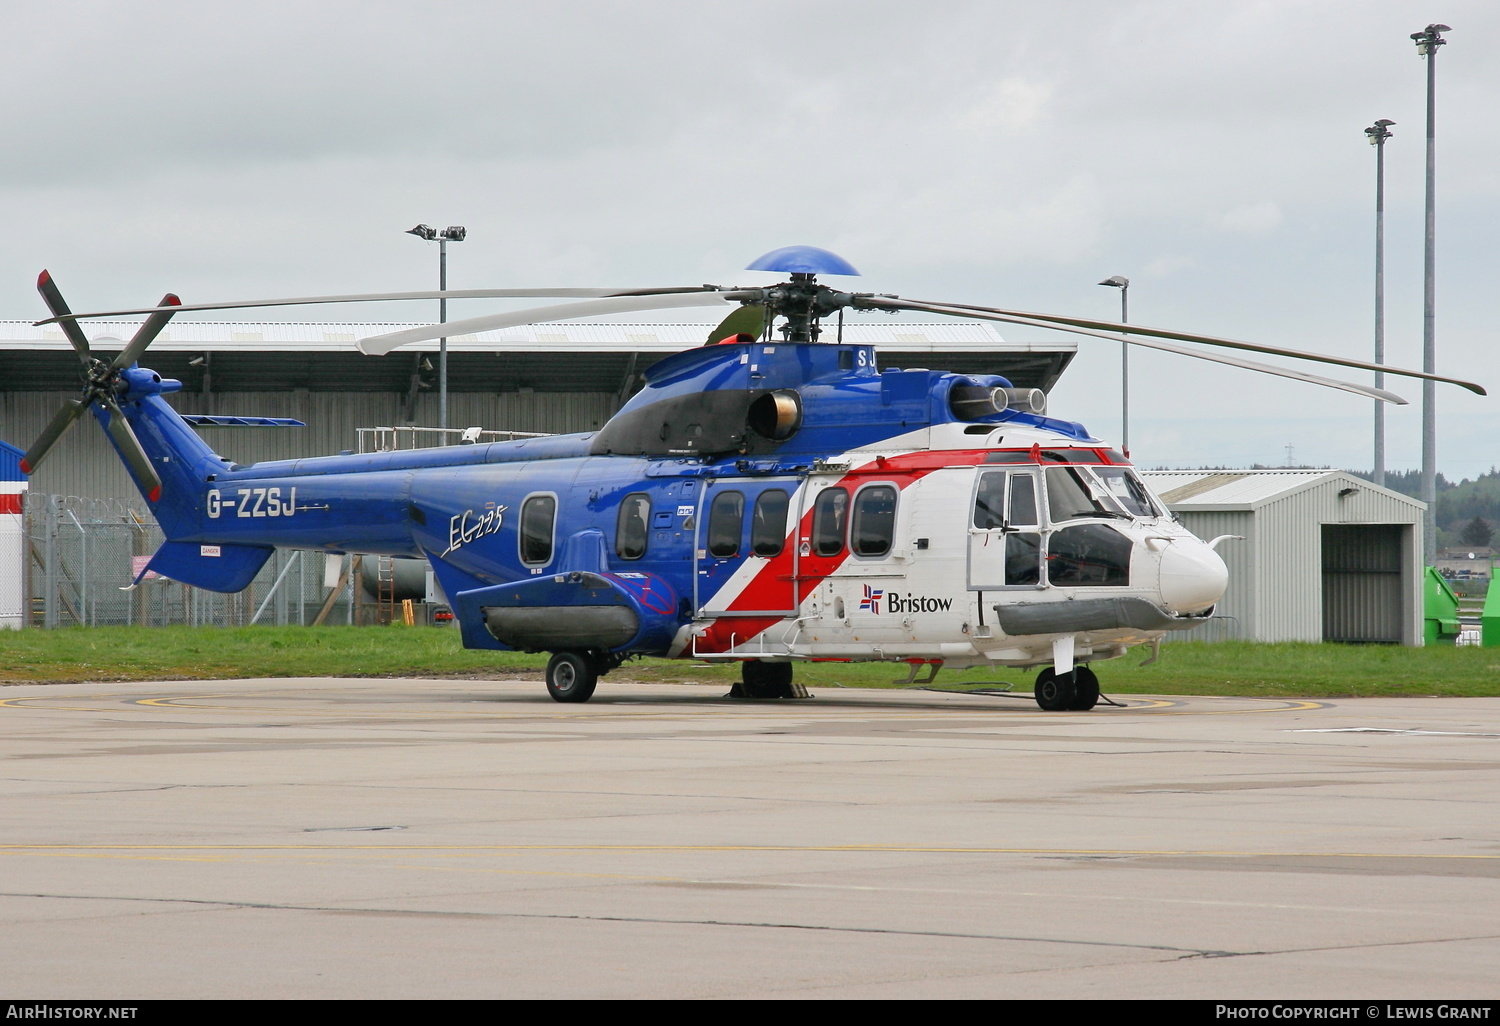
769 498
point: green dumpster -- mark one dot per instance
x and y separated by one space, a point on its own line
1440 612
1489 620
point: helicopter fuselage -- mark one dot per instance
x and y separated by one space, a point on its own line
765 502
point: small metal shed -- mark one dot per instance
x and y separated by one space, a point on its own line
1326 556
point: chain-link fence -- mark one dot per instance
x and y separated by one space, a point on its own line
82 555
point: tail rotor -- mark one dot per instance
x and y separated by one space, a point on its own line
102 384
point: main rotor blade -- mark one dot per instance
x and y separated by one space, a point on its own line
59 307
65 317
379 345
1115 327
146 333
1368 391
130 450
60 422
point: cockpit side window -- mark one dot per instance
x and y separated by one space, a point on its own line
1022 506
1072 494
989 501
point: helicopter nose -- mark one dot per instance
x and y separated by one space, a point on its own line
1193 577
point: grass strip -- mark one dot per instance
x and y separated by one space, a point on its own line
1294 670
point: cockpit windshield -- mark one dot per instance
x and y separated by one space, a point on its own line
1072 494
1126 489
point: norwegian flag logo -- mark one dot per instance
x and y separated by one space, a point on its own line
871 601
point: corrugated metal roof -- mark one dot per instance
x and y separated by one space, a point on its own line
1242 489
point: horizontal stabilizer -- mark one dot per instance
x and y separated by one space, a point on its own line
214 567
207 420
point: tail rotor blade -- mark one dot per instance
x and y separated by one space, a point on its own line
59 307
145 334
60 422
130 450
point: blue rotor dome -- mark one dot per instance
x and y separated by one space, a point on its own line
803 260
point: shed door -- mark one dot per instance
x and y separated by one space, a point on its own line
1362 587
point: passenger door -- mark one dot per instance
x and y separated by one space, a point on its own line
1005 532
746 562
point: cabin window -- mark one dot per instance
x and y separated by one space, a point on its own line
768 525
874 524
630 531
830 514
726 520
538 518
1088 555
989 501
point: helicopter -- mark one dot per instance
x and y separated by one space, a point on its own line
769 498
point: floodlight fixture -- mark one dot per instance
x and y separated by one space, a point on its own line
452 233
1429 39
1119 281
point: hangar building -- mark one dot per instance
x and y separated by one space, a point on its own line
1326 556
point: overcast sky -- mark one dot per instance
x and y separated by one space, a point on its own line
1007 153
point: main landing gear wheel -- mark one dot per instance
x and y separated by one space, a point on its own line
1078 691
572 676
1085 689
766 680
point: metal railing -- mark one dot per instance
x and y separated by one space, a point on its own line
410 436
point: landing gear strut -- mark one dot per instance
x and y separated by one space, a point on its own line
1077 691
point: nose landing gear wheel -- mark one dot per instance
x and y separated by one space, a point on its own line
571 677
1076 691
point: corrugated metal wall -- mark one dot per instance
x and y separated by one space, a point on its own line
84 464
1234 615
1289 602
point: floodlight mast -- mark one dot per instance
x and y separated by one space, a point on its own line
452 233
1378 133
1428 41
1118 281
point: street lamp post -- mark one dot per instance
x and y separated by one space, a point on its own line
1428 41
1123 284
452 233
1378 133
